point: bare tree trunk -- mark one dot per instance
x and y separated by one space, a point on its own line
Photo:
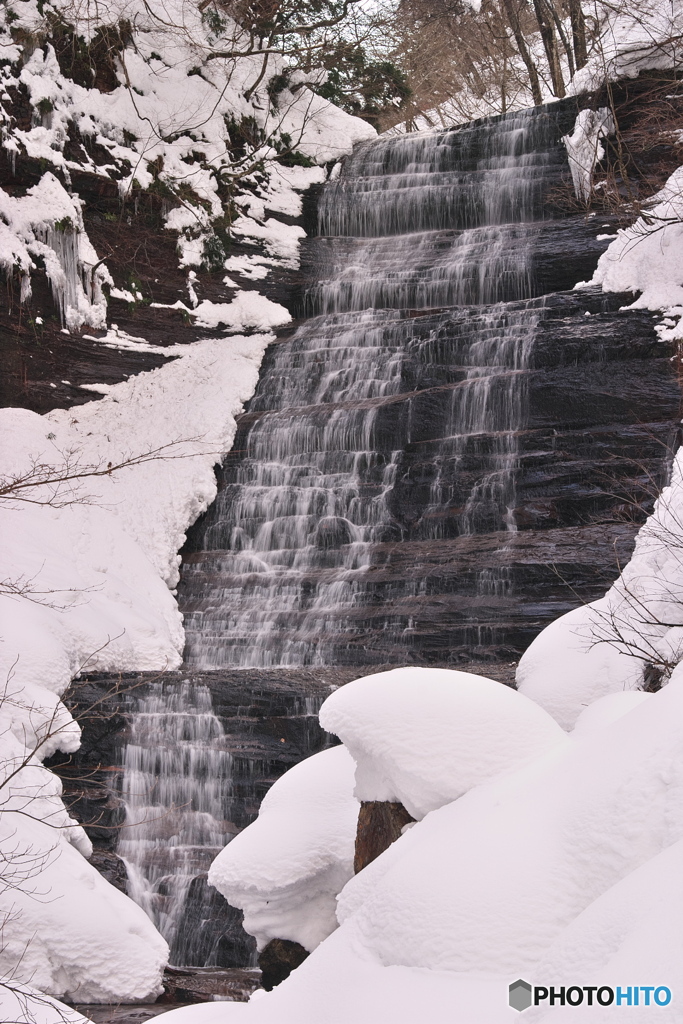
513 19
547 31
566 46
578 33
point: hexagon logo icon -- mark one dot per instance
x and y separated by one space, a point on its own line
520 995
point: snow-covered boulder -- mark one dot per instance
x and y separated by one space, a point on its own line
568 866
570 862
488 882
425 736
285 870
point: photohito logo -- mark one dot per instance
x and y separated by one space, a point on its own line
522 995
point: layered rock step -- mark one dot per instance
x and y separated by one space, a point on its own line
483 496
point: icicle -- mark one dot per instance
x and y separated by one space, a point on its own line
585 149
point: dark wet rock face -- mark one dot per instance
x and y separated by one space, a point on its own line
277 961
455 447
44 368
111 867
200 984
380 823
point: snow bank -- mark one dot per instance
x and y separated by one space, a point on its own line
633 931
99 559
97 564
487 883
285 870
102 566
66 931
564 669
609 709
630 40
648 256
23 1005
425 736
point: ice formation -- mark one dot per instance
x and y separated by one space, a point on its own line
585 149
47 225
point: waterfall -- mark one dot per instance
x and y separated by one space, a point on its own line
177 789
449 421
425 268
191 779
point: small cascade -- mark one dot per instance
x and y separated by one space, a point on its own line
196 759
177 789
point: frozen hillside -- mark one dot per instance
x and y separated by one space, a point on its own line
129 110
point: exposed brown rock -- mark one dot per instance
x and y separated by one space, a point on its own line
200 984
111 867
277 961
379 825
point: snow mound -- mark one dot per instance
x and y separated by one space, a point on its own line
425 736
632 934
248 309
570 865
285 870
607 710
488 882
631 39
564 670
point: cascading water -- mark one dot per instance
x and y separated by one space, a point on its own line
193 775
177 789
442 222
